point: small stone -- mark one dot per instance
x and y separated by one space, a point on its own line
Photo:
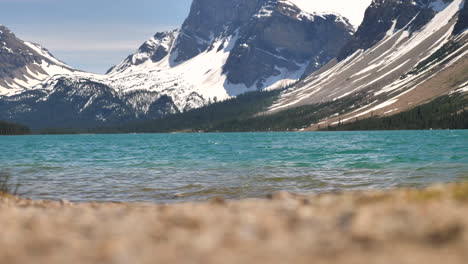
218 200
64 202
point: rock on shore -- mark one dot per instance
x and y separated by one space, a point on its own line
398 226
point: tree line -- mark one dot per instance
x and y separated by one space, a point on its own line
7 128
447 112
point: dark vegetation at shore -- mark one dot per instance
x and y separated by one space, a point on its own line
7 128
233 115
6 185
292 119
241 114
245 114
447 112
202 119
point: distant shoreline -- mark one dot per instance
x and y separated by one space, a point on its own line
292 131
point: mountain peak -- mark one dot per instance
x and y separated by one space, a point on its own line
24 64
153 50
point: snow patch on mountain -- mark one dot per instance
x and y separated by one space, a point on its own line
201 74
351 9
31 76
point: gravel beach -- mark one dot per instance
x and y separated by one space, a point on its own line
397 226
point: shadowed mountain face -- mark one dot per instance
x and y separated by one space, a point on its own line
209 20
283 36
76 104
270 34
462 23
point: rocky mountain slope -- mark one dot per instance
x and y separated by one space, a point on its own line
25 64
223 49
405 53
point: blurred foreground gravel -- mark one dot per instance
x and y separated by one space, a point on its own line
398 226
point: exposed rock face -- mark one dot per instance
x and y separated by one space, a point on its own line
282 36
14 54
212 19
391 15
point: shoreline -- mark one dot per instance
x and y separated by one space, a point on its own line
237 132
397 226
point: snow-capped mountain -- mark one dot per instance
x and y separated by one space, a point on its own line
224 48
24 64
405 53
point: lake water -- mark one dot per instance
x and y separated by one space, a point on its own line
185 167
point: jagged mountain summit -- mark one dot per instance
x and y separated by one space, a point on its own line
223 49
226 48
405 53
25 64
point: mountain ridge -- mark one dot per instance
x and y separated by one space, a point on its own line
402 55
265 44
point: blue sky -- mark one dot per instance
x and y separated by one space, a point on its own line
93 35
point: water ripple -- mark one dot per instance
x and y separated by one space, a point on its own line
185 167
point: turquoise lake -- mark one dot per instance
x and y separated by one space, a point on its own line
167 168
